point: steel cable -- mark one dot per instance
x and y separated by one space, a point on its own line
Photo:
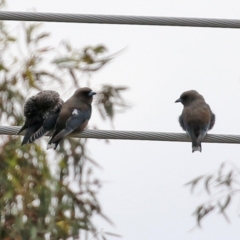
119 19
136 135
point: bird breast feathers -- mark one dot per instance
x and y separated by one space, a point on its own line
197 113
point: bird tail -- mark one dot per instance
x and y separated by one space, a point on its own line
28 135
60 135
196 148
53 145
54 141
41 132
196 145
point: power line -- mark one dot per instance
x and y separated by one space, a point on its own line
120 19
135 135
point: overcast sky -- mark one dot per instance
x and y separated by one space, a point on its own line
144 193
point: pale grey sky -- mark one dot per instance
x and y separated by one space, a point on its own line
144 193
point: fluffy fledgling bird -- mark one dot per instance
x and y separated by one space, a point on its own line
196 118
74 115
41 112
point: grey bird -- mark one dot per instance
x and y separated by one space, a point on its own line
41 112
74 115
196 118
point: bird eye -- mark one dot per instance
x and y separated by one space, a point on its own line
185 97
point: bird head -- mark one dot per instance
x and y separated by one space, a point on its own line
189 96
85 94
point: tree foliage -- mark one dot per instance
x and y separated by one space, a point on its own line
220 187
42 195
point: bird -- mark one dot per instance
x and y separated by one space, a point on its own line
197 117
74 115
41 113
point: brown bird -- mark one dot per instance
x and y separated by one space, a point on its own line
196 118
41 113
74 115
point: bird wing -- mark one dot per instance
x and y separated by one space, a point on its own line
212 122
47 126
180 119
75 121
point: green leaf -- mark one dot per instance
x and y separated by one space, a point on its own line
121 88
100 49
41 36
194 182
225 205
11 39
207 184
220 171
113 234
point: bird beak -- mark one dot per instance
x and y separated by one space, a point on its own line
91 94
179 100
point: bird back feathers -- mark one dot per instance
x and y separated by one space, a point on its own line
39 111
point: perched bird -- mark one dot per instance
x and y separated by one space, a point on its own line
41 112
74 115
196 118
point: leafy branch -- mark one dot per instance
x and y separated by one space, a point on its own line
220 186
44 193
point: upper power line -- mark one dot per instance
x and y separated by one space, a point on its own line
120 19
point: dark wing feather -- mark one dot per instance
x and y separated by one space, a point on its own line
29 132
47 126
212 122
74 122
180 119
